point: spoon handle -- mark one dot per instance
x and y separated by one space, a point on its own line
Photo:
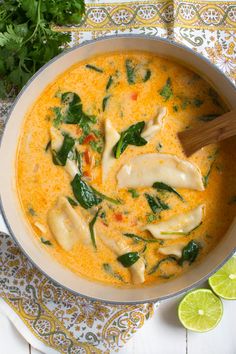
220 128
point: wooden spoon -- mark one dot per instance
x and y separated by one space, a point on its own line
219 129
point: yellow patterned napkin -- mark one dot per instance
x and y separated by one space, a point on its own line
52 319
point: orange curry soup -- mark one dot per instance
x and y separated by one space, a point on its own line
102 177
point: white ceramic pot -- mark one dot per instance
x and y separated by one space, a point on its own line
13 215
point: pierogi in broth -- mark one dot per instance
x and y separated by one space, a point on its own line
102 177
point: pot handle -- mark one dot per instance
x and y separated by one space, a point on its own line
3 227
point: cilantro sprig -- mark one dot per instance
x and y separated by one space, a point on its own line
27 40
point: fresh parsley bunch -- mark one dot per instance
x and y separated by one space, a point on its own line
27 40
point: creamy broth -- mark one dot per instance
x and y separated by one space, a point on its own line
124 89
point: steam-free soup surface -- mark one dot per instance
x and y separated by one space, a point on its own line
76 143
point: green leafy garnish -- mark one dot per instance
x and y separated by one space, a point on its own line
167 92
128 259
140 239
175 108
32 211
197 102
48 146
190 252
109 83
83 193
105 197
27 38
72 112
206 177
165 187
158 264
156 204
72 201
133 192
95 68
108 269
208 117
91 228
104 102
60 157
46 242
136 72
131 136
214 97
151 218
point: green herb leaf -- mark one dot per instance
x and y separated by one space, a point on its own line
60 157
156 204
48 146
147 75
208 118
206 177
109 83
197 102
91 228
95 68
104 102
140 239
84 194
72 201
167 92
160 186
131 136
108 269
128 259
130 71
31 211
105 197
46 242
133 192
151 218
190 252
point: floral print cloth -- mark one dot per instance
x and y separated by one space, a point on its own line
51 318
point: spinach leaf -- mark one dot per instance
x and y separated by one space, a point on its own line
83 193
197 102
167 92
158 264
151 218
130 71
206 177
208 118
190 252
105 197
147 75
95 68
60 157
156 204
58 116
46 242
136 72
108 269
91 228
165 187
133 192
140 239
131 136
109 83
128 259
32 211
72 201
104 102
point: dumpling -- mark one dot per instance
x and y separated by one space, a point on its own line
185 223
56 143
111 138
146 169
67 225
119 247
154 125
173 250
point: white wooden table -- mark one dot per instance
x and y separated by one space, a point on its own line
161 335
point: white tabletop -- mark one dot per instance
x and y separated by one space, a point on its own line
162 334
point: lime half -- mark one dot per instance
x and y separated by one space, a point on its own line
223 282
200 310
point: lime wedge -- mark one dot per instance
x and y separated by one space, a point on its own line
200 310
223 282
